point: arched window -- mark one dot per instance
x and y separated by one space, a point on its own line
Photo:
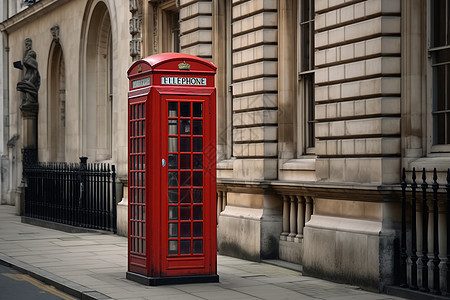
97 96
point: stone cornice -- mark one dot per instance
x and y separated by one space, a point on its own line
30 14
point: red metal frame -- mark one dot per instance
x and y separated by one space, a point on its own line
190 229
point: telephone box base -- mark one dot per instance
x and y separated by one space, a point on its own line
171 280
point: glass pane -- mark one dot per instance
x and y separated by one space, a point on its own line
440 88
173 230
198 229
185 229
440 129
185 109
198 161
173 178
185 127
198 109
173 213
185 178
197 127
185 144
198 246
198 179
185 161
198 144
173 161
198 212
143 127
173 144
173 247
185 196
198 196
173 109
173 196
185 212
173 127
185 247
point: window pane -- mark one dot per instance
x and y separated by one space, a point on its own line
173 109
185 195
197 127
173 144
173 230
198 109
198 229
185 229
185 212
198 196
185 161
173 161
198 144
185 178
185 247
198 246
198 161
173 196
185 144
185 127
173 178
198 179
173 127
173 247
173 213
198 212
185 109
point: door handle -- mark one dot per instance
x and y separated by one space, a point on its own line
163 162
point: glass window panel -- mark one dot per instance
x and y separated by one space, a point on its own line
185 127
173 127
198 196
198 212
185 229
198 109
173 144
440 128
173 230
185 178
173 213
173 196
198 246
440 88
173 109
198 144
198 229
185 196
198 179
143 127
173 178
185 161
173 161
185 144
185 109
198 162
185 247
197 127
143 145
173 247
185 212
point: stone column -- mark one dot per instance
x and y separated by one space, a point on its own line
285 232
293 219
300 217
219 204
309 208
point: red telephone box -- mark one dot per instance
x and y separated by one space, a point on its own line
172 170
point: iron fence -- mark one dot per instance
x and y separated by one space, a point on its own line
77 194
423 234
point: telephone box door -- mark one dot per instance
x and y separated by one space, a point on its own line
187 189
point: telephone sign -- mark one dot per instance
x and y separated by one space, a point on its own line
172 170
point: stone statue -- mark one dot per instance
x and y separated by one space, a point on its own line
31 82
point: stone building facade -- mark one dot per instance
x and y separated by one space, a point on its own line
320 103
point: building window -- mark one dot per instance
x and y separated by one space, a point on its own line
306 75
440 57
169 33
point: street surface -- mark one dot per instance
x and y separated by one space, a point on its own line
17 286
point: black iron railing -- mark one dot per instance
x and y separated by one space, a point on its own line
420 217
77 194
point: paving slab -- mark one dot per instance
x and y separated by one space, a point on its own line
93 265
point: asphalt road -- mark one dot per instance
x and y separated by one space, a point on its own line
18 286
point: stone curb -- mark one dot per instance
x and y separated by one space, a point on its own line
64 285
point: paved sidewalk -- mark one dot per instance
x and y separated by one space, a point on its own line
93 266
